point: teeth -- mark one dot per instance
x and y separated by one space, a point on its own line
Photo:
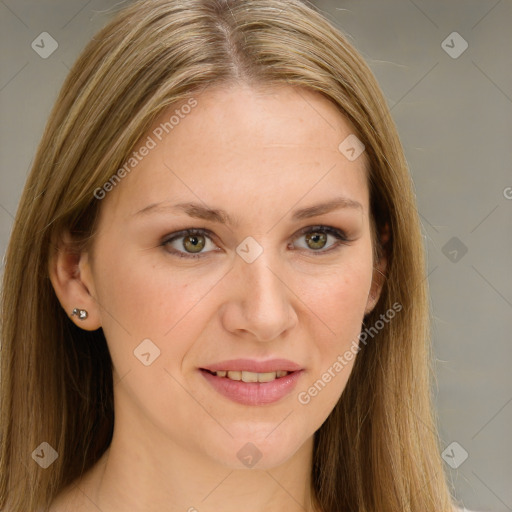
266 377
251 376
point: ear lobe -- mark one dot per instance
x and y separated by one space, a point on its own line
379 272
71 277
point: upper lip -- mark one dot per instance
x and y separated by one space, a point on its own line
251 365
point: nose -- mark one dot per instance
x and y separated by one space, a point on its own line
259 301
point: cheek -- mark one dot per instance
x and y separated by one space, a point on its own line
141 300
340 299
147 298
340 306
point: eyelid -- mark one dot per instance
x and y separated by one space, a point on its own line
337 233
330 230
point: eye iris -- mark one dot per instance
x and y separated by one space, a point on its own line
318 239
194 243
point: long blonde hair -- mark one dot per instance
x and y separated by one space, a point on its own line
378 449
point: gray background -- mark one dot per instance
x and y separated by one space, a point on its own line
454 116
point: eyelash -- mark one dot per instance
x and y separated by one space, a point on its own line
336 233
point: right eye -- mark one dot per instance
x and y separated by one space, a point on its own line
188 243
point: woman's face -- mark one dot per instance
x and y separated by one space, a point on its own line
265 277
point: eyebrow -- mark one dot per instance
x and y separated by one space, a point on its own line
199 211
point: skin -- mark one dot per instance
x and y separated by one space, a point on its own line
260 154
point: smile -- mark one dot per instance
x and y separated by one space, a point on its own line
252 388
247 376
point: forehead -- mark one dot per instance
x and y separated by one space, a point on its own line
279 142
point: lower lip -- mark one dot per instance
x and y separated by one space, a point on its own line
253 393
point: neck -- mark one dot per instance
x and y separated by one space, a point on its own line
145 474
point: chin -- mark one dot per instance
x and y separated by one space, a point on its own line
262 451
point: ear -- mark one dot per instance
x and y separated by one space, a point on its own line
379 272
72 279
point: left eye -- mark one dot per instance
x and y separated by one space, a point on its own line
316 238
191 242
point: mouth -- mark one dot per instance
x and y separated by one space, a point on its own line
247 376
252 388
253 383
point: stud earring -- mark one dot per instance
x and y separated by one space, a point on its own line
80 313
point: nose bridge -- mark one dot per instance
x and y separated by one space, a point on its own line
261 280
263 299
